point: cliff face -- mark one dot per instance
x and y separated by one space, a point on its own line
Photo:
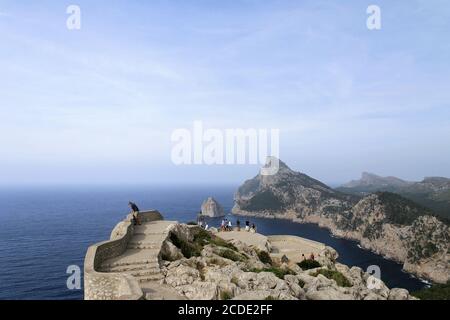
384 222
288 192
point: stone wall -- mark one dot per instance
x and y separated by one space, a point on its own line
113 286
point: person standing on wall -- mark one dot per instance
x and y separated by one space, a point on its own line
135 211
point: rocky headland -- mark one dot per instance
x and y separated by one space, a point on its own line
166 260
383 222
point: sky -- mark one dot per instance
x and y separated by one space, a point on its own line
99 105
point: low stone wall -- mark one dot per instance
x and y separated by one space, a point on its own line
113 286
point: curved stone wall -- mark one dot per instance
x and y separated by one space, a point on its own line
113 286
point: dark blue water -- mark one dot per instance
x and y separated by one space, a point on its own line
45 230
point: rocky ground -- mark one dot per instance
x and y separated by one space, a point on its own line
198 265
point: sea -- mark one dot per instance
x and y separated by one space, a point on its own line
45 232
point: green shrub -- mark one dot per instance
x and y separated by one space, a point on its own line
436 292
340 279
280 273
264 257
226 295
231 255
309 264
187 249
222 243
203 237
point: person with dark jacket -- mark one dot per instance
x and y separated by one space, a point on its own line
135 211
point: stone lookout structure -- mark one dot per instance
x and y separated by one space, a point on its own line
126 266
129 265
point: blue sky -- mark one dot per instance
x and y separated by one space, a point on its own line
99 105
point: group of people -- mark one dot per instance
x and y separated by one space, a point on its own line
311 257
227 225
201 222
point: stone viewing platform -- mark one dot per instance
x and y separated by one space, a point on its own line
127 266
167 260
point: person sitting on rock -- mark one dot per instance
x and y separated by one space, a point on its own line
247 225
303 257
253 229
135 212
238 225
230 226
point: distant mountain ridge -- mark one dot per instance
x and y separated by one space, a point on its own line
370 179
431 192
383 222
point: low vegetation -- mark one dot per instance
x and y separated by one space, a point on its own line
399 210
340 279
188 249
226 295
309 264
264 257
201 238
264 200
231 255
280 273
436 292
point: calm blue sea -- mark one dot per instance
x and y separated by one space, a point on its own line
45 230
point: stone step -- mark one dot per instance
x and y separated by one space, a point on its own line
133 257
144 273
156 238
149 278
143 245
150 232
131 267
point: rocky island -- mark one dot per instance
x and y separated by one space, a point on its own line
211 208
383 222
167 260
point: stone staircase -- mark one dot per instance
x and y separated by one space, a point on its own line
141 259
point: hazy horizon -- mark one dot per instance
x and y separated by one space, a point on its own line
98 105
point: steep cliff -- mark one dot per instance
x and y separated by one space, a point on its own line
384 222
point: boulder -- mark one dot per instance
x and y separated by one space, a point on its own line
200 291
398 294
330 293
169 252
181 275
